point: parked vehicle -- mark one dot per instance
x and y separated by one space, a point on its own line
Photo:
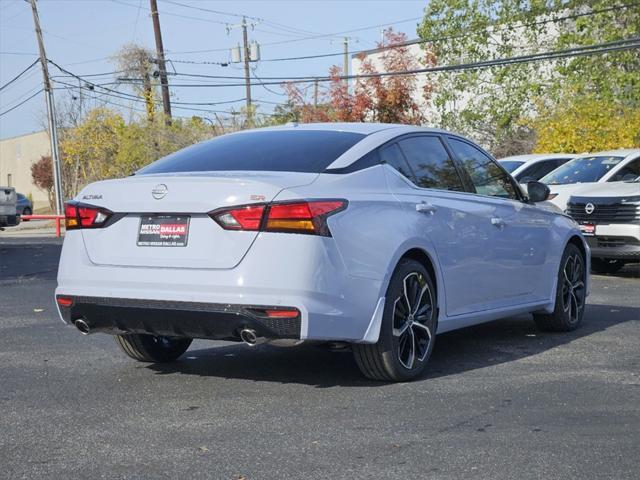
525 168
8 217
586 170
378 236
24 206
609 217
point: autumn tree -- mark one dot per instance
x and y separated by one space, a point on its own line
587 124
373 97
104 145
42 175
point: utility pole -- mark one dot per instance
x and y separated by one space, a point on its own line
346 62
48 93
164 83
247 78
315 93
251 53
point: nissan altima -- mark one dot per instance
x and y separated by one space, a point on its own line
372 236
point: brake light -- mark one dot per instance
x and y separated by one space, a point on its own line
289 313
276 312
247 217
78 215
65 302
308 217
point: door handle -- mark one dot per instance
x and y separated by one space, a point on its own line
498 222
425 207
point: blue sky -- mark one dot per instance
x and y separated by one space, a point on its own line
81 35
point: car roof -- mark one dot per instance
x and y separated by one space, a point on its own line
353 127
622 152
536 156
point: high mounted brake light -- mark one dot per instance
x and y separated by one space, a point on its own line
309 217
78 215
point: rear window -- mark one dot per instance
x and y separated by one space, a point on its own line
274 151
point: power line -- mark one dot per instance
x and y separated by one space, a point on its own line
172 14
419 42
311 37
22 102
625 44
28 54
218 12
19 75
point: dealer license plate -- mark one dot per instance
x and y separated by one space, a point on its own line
163 231
588 229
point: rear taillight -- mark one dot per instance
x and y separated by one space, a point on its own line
79 215
248 217
65 302
308 217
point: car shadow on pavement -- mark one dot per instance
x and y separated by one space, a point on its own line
472 348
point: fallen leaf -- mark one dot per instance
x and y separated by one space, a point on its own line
203 449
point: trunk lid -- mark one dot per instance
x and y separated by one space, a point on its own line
183 195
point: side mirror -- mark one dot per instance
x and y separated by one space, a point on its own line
537 191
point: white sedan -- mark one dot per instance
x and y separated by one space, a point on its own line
377 236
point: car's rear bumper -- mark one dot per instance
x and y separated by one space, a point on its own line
179 319
297 271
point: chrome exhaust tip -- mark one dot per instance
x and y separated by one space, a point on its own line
250 337
82 326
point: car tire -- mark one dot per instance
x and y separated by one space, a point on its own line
408 328
570 294
604 266
27 211
151 348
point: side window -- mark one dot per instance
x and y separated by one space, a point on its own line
430 163
392 155
539 170
487 177
630 169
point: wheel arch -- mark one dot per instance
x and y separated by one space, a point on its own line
578 241
422 255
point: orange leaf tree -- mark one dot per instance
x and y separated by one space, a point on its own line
373 97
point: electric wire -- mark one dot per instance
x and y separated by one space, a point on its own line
21 103
2 87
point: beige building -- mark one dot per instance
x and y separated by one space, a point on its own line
17 154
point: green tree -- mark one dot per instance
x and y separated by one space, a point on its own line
493 104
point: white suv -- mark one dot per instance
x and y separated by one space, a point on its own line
591 169
609 217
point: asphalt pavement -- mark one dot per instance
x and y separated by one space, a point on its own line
499 401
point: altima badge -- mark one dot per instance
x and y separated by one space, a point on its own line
589 208
159 191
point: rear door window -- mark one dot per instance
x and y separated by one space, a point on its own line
430 163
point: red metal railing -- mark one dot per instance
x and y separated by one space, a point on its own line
57 218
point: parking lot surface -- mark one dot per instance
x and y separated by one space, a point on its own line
499 401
